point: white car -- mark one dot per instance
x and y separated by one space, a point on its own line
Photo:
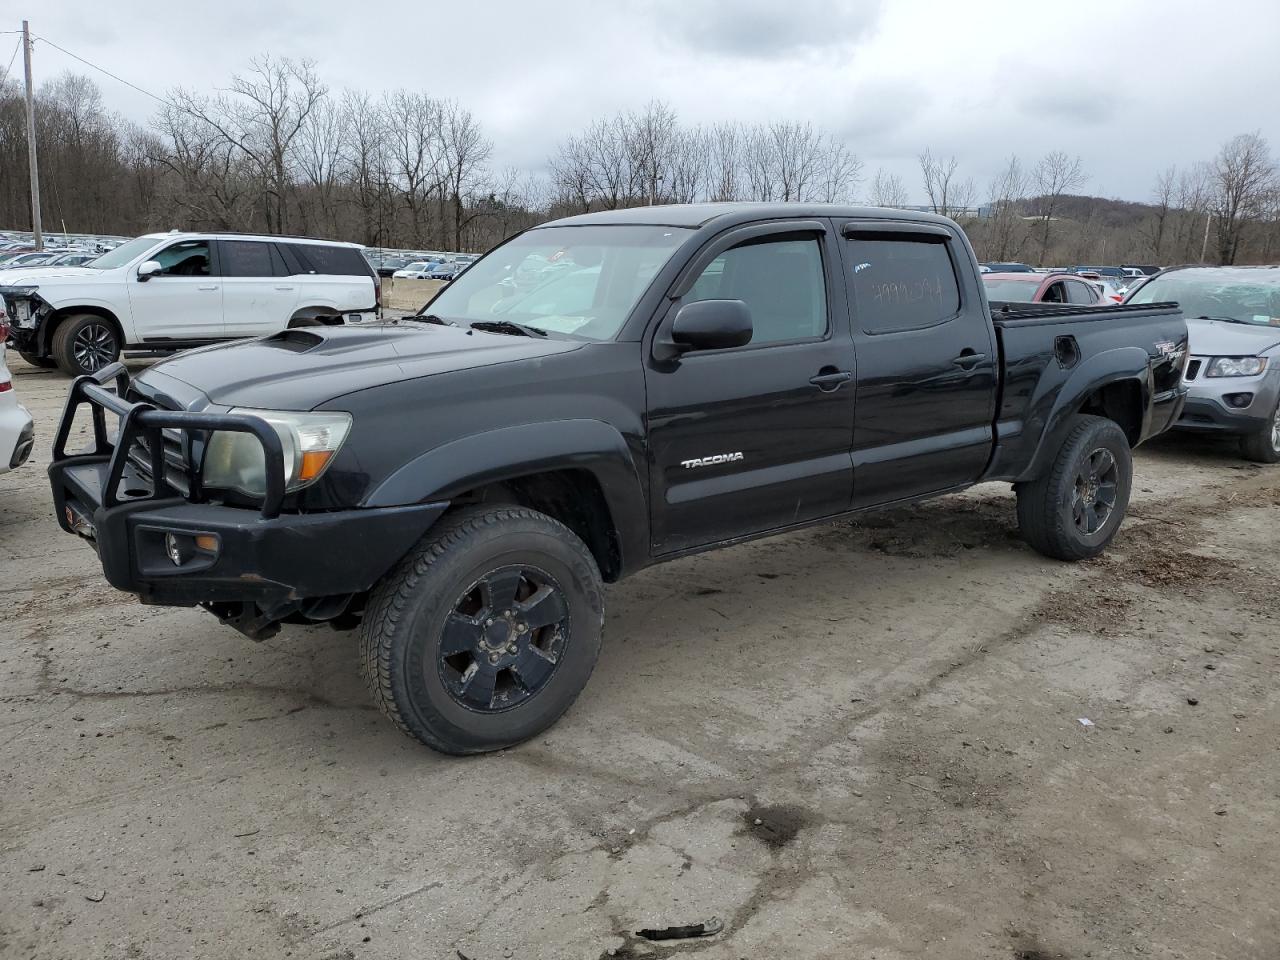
16 432
416 271
170 291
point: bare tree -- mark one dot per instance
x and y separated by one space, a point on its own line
1244 174
465 153
1055 175
1005 198
948 194
887 190
262 115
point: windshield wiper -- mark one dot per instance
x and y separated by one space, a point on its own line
508 326
431 318
1225 320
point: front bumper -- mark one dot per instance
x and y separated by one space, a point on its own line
267 565
1208 408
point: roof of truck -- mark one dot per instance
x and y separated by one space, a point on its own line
701 214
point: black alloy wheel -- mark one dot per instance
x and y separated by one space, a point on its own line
1096 486
504 638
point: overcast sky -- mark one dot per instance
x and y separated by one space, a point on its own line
1131 85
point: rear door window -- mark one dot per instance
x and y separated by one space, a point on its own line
330 261
246 258
1080 293
902 282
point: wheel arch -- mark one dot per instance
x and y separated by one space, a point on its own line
60 314
579 471
1114 384
326 316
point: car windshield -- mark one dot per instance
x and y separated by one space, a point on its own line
123 254
1245 296
579 281
1015 290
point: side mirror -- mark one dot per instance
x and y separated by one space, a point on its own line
148 269
707 325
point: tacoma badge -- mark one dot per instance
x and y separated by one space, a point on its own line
711 460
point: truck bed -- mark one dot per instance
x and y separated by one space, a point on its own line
1005 312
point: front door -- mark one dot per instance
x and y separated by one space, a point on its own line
754 438
183 301
927 361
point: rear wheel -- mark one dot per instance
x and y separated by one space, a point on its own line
85 343
1075 509
1263 445
486 633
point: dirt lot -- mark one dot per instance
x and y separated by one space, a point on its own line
861 741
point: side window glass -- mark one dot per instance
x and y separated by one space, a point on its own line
246 258
190 258
1054 294
780 281
1077 292
902 283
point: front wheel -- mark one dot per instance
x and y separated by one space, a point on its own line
486 632
85 343
1075 508
1263 445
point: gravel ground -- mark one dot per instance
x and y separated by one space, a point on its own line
859 741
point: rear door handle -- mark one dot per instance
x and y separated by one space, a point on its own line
831 379
969 359
284 288
210 287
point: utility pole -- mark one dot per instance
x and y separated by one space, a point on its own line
1204 246
36 233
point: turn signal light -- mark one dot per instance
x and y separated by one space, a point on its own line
313 463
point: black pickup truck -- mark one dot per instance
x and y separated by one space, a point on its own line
594 396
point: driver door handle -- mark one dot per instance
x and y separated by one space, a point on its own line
211 286
968 359
829 378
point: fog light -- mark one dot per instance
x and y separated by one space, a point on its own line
174 549
182 548
1239 400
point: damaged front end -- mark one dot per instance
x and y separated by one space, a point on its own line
27 311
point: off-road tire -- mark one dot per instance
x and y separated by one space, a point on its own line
65 340
1263 445
402 630
44 363
1045 511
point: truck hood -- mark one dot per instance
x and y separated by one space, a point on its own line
302 368
1216 338
34 276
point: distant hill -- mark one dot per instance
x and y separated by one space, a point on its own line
1109 213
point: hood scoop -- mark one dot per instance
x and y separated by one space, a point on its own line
297 340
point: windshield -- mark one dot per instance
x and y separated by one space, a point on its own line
1016 290
581 281
123 254
1245 296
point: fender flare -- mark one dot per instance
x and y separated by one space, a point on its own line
523 450
1123 364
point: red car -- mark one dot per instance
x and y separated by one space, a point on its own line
1044 288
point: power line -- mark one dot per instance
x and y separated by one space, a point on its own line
101 70
16 47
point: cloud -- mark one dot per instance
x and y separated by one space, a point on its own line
768 29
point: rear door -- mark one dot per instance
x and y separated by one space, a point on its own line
258 294
749 439
927 361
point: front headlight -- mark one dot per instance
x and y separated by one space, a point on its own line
1236 366
234 461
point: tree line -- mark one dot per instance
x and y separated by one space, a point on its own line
277 151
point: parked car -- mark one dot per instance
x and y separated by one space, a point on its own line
1114 274
1042 288
463 481
170 291
17 433
388 266
1140 269
1233 317
417 271
445 271
72 259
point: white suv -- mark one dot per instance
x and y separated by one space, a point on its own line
169 291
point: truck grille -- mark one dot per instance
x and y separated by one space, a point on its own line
177 453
